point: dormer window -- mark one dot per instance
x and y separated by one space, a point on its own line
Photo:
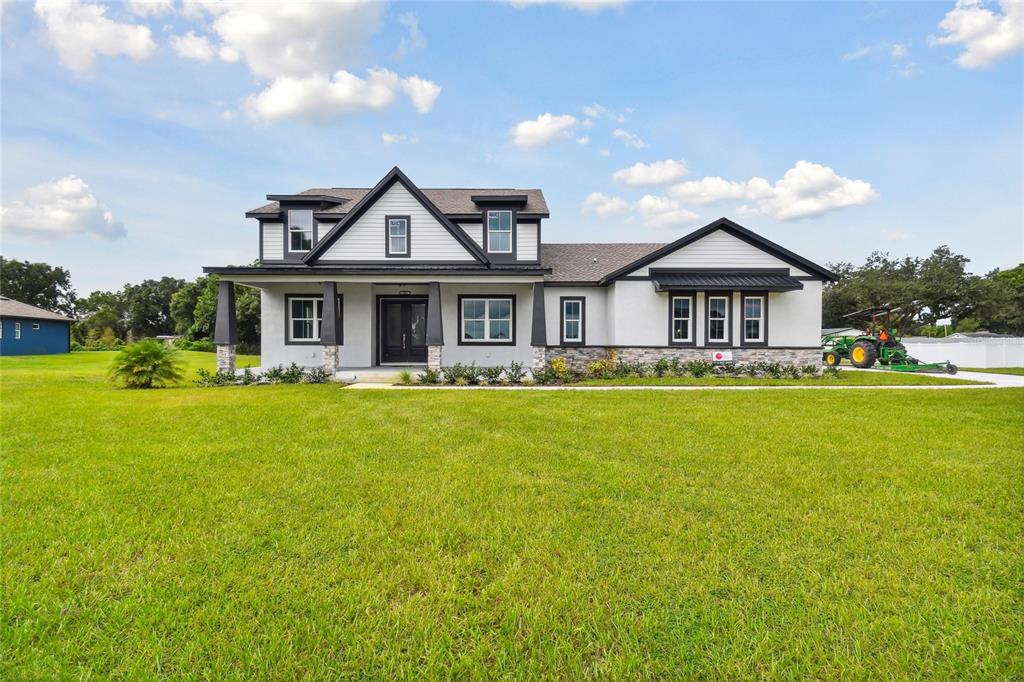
499 231
300 231
396 239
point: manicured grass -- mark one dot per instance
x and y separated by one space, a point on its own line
1016 371
843 378
310 531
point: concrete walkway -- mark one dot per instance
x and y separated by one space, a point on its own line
994 381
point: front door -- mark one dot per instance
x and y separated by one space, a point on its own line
403 330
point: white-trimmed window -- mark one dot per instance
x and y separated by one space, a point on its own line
499 231
305 316
17 330
682 319
486 320
718 319
398 236
753 319
300 231
572 320
35 326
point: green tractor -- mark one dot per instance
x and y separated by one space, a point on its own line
879 343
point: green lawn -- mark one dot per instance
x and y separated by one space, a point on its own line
1017 371
310 531
843 378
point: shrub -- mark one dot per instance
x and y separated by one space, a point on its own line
405 377
662 367
559 368
451 374
248 377
461 381
601 369
699 368
429 377
830 371
515 372
317 375
493 374
472 374
202 345
811 370
208 379
146 364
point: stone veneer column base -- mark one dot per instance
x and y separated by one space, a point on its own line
783 356
330 358
226 358
540 358
434 357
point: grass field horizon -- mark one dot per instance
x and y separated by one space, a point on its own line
311 531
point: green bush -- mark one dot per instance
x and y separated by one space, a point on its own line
405 377
316 375
429 377
515 372
492 374
200 345
208 379
146 364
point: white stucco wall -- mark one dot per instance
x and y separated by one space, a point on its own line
486 356
595 317
794 317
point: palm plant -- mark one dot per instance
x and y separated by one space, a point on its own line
146 364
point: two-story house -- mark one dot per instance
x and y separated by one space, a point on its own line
398 275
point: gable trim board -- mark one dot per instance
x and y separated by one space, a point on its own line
394 176
735 230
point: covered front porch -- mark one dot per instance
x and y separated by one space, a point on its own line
379 326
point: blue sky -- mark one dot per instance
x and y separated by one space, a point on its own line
135 136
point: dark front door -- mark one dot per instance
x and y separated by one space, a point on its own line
403 330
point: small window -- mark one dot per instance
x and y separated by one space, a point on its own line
753 319
397 243
35 326
499 231
682 319
718 319
572 320
305 316
486 320
300 230
17 330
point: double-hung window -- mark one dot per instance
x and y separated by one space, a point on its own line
486 320
718 319
499 231
300 231
681 322
572 321
17 330
397 244
753 319
305 316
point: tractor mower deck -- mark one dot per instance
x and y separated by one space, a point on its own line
879 343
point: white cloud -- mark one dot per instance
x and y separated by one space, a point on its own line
191 46
228 115
318 97
394 138
592 111
414 40
59 209
423 93
586 6
629 138
854 55
145 8
807 189
656 173
896 236
604 205
985 36
543 130
662 211
899 51
583 139
81 31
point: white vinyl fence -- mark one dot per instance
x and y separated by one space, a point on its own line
967 352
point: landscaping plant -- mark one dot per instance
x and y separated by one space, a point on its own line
146 364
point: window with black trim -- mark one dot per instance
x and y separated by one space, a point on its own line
572 318
486 320
718 319
300 230
499 231
681 319
305 318
397 237
754 319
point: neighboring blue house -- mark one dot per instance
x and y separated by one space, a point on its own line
28 330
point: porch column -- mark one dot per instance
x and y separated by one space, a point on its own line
225 328
330 329
435 330
538 330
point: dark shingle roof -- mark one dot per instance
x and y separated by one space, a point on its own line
449 201
589 262
11 308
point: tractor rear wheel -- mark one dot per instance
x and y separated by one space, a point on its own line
863 354
832 359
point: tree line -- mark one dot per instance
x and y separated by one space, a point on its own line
927 291
151 308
